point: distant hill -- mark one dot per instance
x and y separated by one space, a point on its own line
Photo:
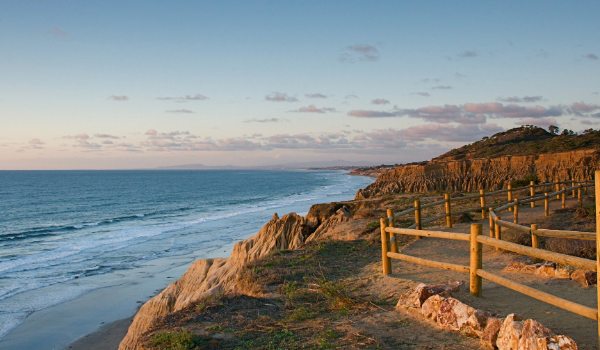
523 141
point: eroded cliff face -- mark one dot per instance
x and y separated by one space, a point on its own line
490 174
212 276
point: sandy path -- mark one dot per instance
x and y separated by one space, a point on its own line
499 299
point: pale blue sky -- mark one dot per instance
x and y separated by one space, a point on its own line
400 81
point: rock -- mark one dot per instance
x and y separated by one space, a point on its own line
341 215
490 333
532 331
585 277
546 270
431 307
417 296
455 315
510 333
564 272
514 266
557 342
530 268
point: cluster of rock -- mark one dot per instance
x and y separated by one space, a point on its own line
511 333
552 270
491 174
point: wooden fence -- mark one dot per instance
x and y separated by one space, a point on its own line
389 246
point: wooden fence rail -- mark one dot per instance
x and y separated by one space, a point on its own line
389 248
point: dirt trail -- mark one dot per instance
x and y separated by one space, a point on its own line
498 299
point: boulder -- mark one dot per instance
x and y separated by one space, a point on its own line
557 342
530 268
532 331
490 333
510 333
514 266
431 307
456 316
546 270
585 277
564 272
417 296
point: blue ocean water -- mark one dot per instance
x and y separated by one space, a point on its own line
60 226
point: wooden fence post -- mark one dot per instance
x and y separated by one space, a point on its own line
579 199
546 205
532 184
516 221
385 242
497 232
392 222
448 211
564 197
557 187
491 224
476 260
573 185
482 194
510 196
597 191
418 215
535 240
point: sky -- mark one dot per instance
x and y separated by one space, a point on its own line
143 84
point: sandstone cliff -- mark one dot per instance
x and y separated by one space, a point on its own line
213 276
490 174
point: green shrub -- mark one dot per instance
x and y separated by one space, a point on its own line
174 340
373 224
525 180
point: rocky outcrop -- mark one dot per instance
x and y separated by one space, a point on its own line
212 276
490 174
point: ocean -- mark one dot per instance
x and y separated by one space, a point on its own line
64 234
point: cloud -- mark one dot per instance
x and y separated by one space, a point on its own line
362 52
280 97
107 142
379 101
269 120
179 111
442 87
196 97
118 98
459 76
424 94
516 99
316 95
57 32
370 114
151 132
428 80
106 136
437 132
511 111
591 56
36 142
583 107
314 109
467 54
541 122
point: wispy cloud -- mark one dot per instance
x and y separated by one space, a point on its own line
459 76
316 95
424 94
361 52
516 99
268 120
179 111
186 98
442 87
314 109
371 114
379 101
541 122
280 97
467 54
58 32
106 136
118 98
36 142
591 56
